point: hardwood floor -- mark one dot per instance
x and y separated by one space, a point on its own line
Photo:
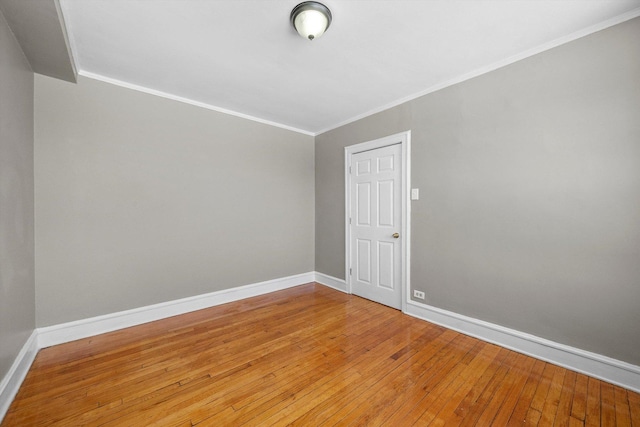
306 356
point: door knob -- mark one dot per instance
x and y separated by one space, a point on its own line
396 235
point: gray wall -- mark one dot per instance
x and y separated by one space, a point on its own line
17 293
529 178
142 200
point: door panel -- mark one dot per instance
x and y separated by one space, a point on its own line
385 203
363 167
385 264
364 261
363 196
375 208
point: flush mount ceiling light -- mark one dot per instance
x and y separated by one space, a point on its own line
311 19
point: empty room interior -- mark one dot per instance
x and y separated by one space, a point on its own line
220 212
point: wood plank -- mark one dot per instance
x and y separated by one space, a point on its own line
533 417
276 401
431 355
543 388
623 412
592 417
519 415
521 372
476 410
472 396
376 398
308 355
563 413
219 394
575 422
463 384
305 408
579 404
634 408
607 405
429 386
553 397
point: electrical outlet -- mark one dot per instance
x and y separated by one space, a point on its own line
418 294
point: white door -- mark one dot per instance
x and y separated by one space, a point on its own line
375 225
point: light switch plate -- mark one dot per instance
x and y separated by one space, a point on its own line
415 193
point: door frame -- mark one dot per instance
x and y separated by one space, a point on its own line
404 139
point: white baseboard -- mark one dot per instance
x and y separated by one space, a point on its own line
332 282
596 365
71 331
11 382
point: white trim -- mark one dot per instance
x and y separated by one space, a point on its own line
404 139
461 78
71 331
11 382
596 365
492 67
190 101
332 282
605 368
406 221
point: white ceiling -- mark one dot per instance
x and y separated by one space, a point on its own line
242 56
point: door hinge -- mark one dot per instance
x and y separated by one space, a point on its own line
349 169
349 221
350 271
